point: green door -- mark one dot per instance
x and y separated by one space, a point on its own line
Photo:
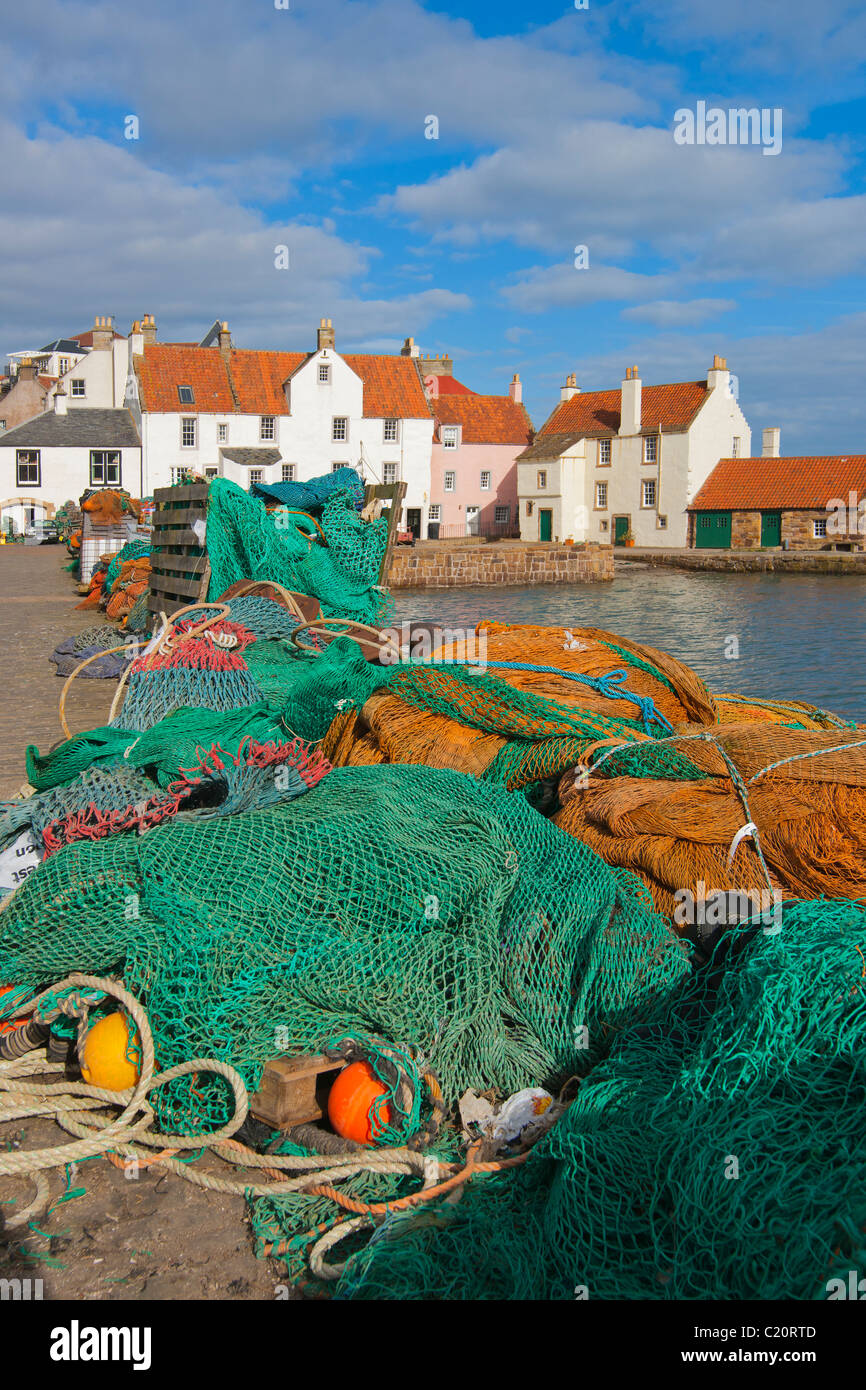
545 524
713 531
771 528
620 529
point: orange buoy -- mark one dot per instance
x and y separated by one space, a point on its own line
111 1052
351 1104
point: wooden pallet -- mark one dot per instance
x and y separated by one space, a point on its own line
180 572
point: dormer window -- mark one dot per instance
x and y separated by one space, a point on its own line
185 395
449 436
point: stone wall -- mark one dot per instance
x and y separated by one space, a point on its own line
745 530
440 565
733 562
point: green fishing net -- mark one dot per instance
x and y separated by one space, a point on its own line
244 542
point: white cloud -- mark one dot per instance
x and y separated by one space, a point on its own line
675 313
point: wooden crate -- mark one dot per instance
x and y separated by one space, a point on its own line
391 495
180 571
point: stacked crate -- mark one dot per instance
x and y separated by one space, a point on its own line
179 565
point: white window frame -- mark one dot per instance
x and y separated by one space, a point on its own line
450 436
340 429
288 473
390 431
256 475
389 472
324 373
211 472
651 448
601 497
819 528
501 515
541 479
222 433
486 479
185 423
75 383
267 428
435 512
63 366
604 452
449 481
30 462
648 486
735 447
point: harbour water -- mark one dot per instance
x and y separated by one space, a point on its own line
798 636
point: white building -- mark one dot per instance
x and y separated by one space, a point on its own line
608 463
259 416
54 457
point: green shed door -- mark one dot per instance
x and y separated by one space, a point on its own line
771 528
620 529
713 531
545 524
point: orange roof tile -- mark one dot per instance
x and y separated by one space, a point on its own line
259 378
162 367
485 419
392 387
756 484
668 408
449 386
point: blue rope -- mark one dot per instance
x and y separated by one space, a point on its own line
610 686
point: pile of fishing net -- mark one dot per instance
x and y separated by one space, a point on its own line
336 557
81 653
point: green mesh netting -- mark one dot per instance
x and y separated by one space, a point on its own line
244 542
472 930
716 1153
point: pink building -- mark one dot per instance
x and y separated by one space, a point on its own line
476 440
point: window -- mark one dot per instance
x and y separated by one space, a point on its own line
104 467
604 451
78 387
449 436
255 475
650 449
435 512
735 447
648 492
529 509
2 426
390 432
601 495
485 480
185 395
542 477
450 481
340 427
188 434
662 523
288 473
390 473
64 365
324 373
335 467
604 526
268 427
819 528
29 467
222 434
210 472
502 514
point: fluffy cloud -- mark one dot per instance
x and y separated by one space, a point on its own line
675 313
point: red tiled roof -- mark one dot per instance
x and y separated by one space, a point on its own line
485 419
252 382
392 387
756 484
258 378
449 386
668 408
86 339
162 367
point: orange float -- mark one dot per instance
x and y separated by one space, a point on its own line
352 1107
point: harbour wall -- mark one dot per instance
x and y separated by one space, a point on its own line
446 564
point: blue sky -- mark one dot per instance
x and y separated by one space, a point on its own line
305 127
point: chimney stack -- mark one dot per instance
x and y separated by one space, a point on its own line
148 329
409 349
103 334
225 340
326 337
630 403
27 370
60 402
515 390
718 375
570 388
771 443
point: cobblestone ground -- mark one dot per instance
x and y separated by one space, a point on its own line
156 1237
